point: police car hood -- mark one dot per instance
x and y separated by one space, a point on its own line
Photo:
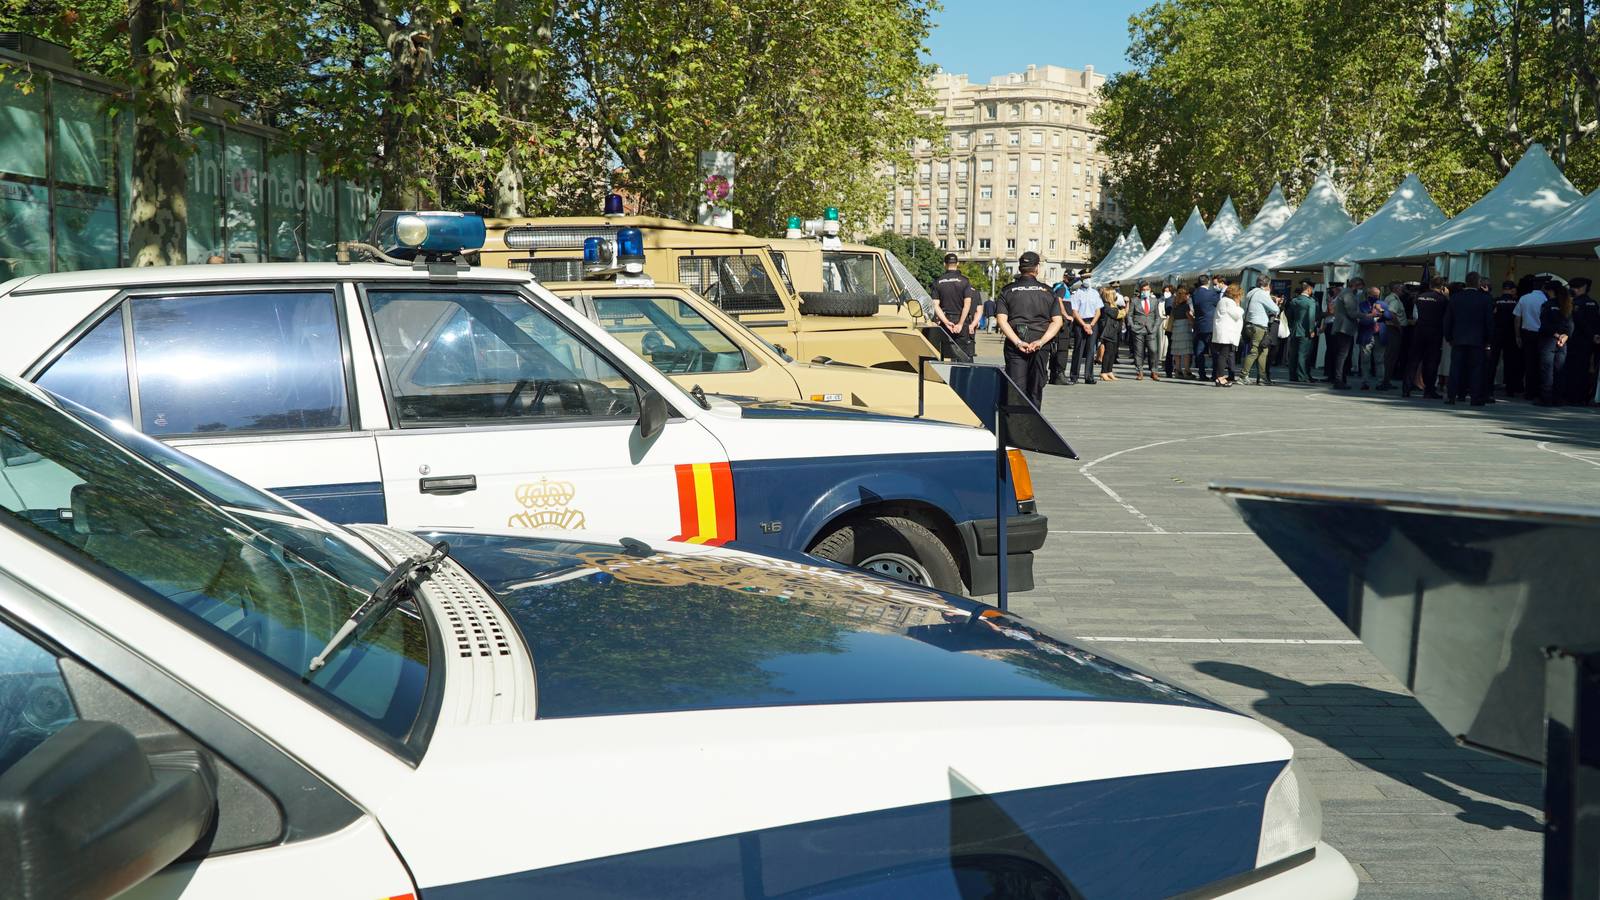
613 632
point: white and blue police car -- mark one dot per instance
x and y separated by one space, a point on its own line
206 692
434 395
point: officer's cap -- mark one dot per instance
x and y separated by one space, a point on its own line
1028 260
951 257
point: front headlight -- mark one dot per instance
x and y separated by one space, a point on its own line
1292 819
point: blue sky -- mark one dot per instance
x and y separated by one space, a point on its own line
983 38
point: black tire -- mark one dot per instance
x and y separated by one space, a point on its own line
859 541
837 303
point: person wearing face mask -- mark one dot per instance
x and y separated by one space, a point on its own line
1146 314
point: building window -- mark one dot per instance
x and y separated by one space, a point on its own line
1072 245
1011 218
1036 139
1033 244
1038 111
983 245
944 169
961 221
1033 191
1035 164
1016 111
1052 245
1077 169
1014 139
1033 218
1074 140
944 223
961 244
1052 220
944 244
985 193
925 170
1074 196
989 111
962 140
922 221
984 220
988 137
1055 140
1055 165
961 169
1011 244
1053 193
1011 165
944 195
1011 192
985 166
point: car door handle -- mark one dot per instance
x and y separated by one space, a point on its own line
448 484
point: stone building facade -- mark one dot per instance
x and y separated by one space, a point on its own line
1019 169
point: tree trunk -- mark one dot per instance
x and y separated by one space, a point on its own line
158 219
509 199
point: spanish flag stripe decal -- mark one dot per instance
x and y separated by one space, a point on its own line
706 504
722 477
688 519
706 513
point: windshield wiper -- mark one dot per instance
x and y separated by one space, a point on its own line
395 587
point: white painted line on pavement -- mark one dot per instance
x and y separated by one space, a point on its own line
1157 529
1179 640
1545 445
1149 533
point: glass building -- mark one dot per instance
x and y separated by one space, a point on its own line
65 178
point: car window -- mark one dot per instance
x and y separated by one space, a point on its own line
34 703
468 356
738 284
856 273
269 361
670 334
94 371
266 589
782 262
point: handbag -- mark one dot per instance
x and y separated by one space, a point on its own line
1283 327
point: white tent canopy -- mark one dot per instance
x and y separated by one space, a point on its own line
1320 218
1573 232
1408 214
1193 232
1275 211
1533 192
1158 247
1119 258
1223 231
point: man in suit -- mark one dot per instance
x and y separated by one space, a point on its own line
1581 346
1342 339
1302 313
1146 313
1503 344
1204 300
1468 326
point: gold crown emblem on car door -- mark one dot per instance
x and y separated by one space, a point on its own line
547 504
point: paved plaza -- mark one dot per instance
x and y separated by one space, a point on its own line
1145 558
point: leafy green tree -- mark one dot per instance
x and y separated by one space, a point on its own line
1229 96
811 112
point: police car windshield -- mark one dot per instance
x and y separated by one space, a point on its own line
268 589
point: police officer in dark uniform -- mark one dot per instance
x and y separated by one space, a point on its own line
1030 318
1427 343
954 302
1503 345
1578 384
1060 349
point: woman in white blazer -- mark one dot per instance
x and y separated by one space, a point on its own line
1227 327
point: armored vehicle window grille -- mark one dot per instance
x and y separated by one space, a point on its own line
738 284
550 271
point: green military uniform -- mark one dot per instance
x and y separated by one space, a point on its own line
1302 315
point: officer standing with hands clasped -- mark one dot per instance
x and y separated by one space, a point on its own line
1029 319
953 302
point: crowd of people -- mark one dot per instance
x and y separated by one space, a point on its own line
1538 339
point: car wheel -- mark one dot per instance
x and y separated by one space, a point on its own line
837 303
894 547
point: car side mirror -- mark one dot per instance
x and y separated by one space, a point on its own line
653 414
87 814
914 306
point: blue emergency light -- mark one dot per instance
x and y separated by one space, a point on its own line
630 245
594 249
613 205
430 233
